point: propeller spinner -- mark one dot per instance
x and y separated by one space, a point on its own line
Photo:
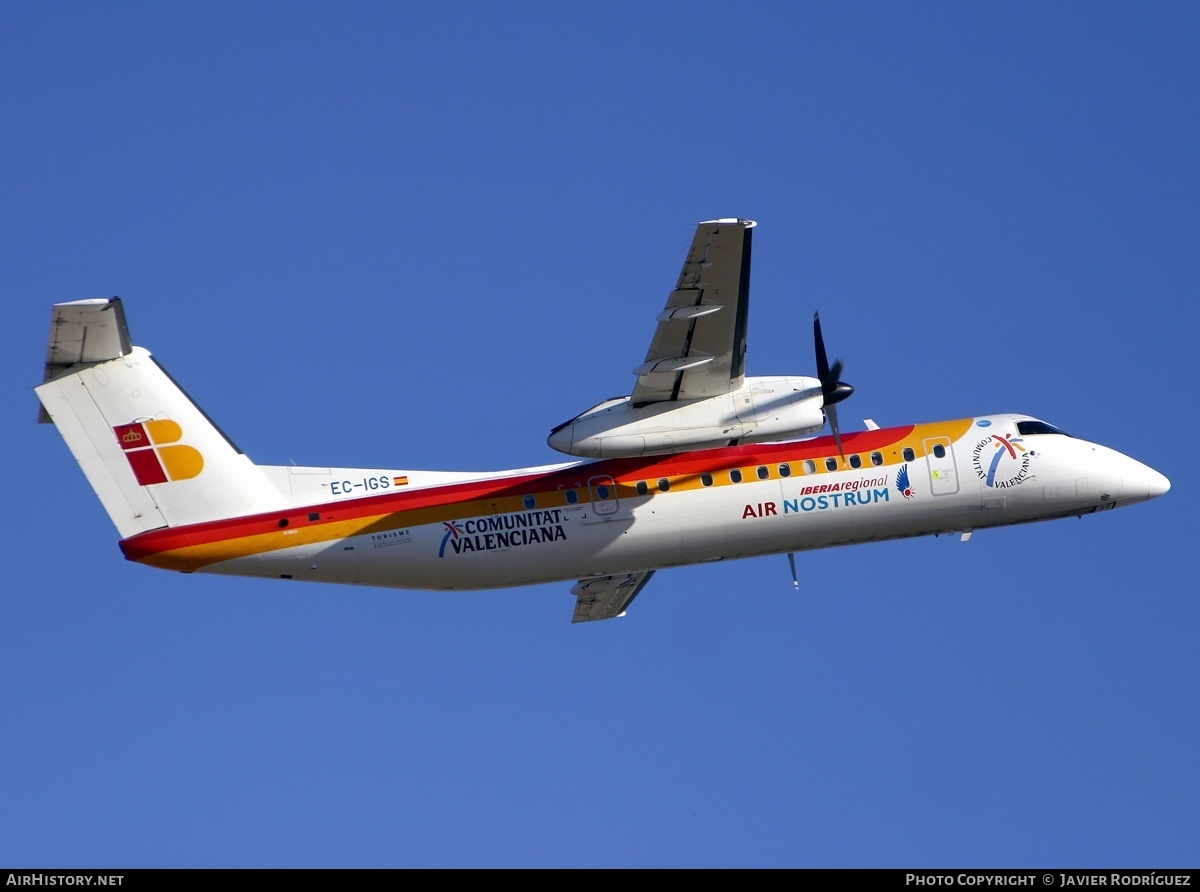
833 389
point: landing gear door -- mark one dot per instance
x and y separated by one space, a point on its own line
943 474
604 495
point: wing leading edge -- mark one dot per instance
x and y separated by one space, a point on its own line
699 347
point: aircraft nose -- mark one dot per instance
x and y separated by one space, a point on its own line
1156 484
1143 482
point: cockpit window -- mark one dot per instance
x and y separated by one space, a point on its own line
1028 428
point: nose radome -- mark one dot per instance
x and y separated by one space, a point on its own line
1156 483
1143 482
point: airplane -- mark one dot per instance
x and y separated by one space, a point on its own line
699 463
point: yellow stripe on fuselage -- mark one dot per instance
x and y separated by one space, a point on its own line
683 473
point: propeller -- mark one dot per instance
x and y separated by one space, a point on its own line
833 389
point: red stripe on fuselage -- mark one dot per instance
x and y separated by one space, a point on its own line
622 470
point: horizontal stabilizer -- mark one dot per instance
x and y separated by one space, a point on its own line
85 331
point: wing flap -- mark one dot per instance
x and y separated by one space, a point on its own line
672 364
605 597
705 317
687 312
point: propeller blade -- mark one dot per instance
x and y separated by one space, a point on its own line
831 414
833 388
822 359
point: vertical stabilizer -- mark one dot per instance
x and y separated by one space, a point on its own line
152 456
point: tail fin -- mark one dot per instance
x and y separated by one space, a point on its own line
151 454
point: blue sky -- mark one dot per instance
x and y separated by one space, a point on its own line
419 236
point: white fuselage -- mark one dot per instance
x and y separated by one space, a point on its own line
586 519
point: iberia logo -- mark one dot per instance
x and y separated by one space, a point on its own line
1005 464
154 451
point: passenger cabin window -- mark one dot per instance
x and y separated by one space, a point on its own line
831 464
908 454
641 487
706 479
663 484
530 502
856 461
810 466
602 492
735 475
1029 428
876 458
785 470
939 450
762 472
572 497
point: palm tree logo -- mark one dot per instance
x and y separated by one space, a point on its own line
453 528
1006 444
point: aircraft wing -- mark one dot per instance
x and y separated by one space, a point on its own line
607 596
699 348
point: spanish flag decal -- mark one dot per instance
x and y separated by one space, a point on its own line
154 454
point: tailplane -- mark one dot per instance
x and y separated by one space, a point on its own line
151 454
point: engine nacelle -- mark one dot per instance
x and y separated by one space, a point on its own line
761 410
